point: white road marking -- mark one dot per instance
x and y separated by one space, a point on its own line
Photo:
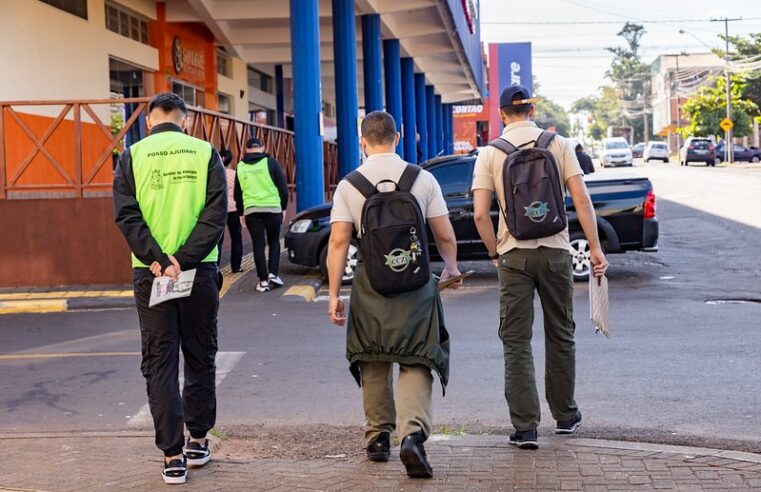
226 361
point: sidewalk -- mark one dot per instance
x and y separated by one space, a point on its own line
114 461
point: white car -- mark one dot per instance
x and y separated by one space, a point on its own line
656 151
615 152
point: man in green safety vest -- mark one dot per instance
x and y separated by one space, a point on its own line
170 204
261 195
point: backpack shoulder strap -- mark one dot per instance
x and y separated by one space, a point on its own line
361 183
408 178
545 139
503 145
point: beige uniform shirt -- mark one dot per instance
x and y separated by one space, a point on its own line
488 175
348 201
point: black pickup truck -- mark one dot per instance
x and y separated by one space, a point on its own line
625 206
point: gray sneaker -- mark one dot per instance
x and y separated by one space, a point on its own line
274 279
263 286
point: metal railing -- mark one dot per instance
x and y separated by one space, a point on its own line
84 148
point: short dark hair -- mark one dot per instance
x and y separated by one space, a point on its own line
226 156
579 148
253 142
379 128
168 102
517 109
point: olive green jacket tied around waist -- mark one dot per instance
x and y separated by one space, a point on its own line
407 328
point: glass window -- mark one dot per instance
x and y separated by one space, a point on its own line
186 92
224 103
260 80
128 24
76 7
224 64
454 179
616 145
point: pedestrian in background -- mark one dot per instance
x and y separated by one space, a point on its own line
584 160
542 263
261 194
170 204
405 327
233 217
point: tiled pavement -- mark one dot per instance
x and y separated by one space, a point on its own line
460 463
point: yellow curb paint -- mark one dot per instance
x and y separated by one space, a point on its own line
33 306
65 355
228 282
305 291
19 296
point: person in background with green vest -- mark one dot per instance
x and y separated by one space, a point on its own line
261 195
170 204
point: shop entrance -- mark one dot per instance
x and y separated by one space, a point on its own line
127 82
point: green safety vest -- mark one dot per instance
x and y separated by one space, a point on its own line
171 170
259 191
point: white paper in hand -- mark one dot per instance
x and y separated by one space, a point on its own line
598 304
164 288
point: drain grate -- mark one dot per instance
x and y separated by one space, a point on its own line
742 300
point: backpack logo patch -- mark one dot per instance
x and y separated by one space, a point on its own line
398 260
537 211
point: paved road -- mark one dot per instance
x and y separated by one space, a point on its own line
674 367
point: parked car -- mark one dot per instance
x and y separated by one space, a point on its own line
697 149
638 150
743 154
656 150
615 152
625 206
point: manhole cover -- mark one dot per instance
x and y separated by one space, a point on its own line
747 300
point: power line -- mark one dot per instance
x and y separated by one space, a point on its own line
554 23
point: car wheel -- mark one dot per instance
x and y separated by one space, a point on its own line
755 159
580 255
351 263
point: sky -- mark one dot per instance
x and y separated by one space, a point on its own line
570 60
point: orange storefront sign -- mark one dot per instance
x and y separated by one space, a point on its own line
466 118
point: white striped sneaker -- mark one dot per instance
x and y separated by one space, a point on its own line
176 471
196 454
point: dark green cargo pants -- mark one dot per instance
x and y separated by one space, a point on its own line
548 271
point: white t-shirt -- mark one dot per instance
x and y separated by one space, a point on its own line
348 201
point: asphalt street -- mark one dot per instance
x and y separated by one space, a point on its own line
678 363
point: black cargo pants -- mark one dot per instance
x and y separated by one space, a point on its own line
549 272
189 323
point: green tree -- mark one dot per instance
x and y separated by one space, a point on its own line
630 77
708 107
549 114
745 47
602 111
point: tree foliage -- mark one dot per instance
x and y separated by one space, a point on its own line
549 114
708 107
744 47
602 111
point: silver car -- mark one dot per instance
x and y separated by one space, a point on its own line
656 151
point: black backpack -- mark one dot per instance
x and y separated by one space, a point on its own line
394 243
534 200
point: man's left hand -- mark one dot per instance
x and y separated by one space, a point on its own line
174 269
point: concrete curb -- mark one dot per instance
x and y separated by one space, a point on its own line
304 292
32 306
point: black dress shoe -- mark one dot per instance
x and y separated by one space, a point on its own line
414 458
380 449
525 439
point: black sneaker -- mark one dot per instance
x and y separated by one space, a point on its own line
196 454
569 426
525 439
176 471
414 458
380 449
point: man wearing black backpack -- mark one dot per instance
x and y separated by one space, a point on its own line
528 169
396 314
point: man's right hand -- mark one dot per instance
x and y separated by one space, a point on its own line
174 269
598 262
336 311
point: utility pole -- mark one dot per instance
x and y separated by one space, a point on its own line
645 90
728 135
678 109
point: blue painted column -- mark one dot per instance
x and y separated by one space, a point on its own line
421 115
279 97
307 103
347 102
372 64
430 107
408 109
393 76
439 124
448 130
